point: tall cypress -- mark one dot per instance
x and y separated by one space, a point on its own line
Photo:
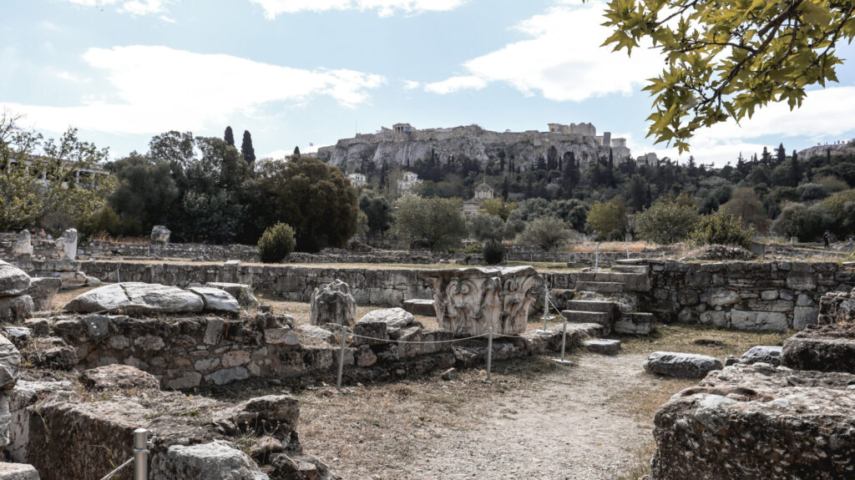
246 148
229 137
795 170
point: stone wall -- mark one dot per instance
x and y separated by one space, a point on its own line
189 251
42 247
767 296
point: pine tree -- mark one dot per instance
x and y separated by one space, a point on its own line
766 157
246 148
229 137
297 152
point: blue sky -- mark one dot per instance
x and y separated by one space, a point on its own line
295 72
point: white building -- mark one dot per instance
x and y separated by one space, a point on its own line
357 179
408 182
483 192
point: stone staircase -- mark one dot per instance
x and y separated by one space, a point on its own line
598 293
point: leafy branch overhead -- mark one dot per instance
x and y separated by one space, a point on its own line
727 58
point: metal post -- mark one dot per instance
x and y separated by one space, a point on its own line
140 454
597 260
489 352
545 305
118 276
563 339
627 252
341 356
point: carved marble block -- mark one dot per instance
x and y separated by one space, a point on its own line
470 300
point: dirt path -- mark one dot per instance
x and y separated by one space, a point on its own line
551 423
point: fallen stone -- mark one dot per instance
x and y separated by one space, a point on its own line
770 355
681 365
43 291
118 377
16 309
394 318
450 374
826 348
316 333
218 460
730 360
241 291
758 422
13 280
332 303
420 307
18 471
602 346
136 297
276 415
217 300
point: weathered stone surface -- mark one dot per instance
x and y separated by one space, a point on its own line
826 348
394 318
218 460
635 324
756 422
241 291
332 303
681 365
160 235
602 346
13 280
276 415
720 297
316 333
24 395
474 299
16 309
10 363
18 471
23 246
837 307
132 296
450 374
217 300
66 245
227 375
762 354
43 291
804 316
759 321
118 377
50 352
420 307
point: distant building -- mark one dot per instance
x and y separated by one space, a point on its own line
408 182
402 128
648 159
482 192
357 179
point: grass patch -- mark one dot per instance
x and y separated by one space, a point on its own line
682 338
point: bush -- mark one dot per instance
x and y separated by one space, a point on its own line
548 233
721 229
808 224
667 221
473 247
494 253
486 227
840 206
104 220
609 220
812 191
277 243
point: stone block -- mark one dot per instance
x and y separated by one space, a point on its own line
218 460
420 307
826 348
804 316
681 365
714 318
18 471
758 321
762 354
602 346
43 291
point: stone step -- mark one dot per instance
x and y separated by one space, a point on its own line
592 306
631 268
600 318
635 324
633 261
602 346
600 287
420 307
635 282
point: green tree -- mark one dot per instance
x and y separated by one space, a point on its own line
805 223
498 207
145 195
246 148
436 223
548 233
727 59
276 243
746 205
721 229
485 227
229 137
608 219
315 199
668 221
378 214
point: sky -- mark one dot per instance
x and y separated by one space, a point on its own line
309 72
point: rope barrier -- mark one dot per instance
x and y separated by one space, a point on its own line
120 467
419 343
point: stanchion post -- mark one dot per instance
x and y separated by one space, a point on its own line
341 356
627 252
597 260
489 352
545 305
563 339
140 454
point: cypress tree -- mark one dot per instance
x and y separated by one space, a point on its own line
296 152
795 170
229 137
246 148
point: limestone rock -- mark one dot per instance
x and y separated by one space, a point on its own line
118 377
827 348
133 297
761 354
217 300
837 307
23 246
420 307
757 422
681 365
272 414
18 471
10 364
160 235
333 303
602 346
759 321
365 357
51 352
241 291
472 300
13 280
218 460
67 245
43 291
394 318
316 333
16 309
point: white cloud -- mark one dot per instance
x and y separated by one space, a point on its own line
455 84
159 88
563 60
411 85
384 8
133 7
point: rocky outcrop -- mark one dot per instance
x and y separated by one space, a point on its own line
472 300
758 422
826 348
160 235
218 460
118 377
143 297
332 303
681 365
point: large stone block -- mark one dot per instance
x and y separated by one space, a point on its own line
23 246
474 299
218 460
681 365
13 280
827 348
756 422
16 309
133 296
18 471
332 303
759 321
43 291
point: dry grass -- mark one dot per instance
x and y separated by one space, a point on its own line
591 247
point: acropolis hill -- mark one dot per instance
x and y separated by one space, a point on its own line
403 145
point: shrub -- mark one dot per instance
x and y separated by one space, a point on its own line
721 229
812 191
277 243
486 227
839 206
473 247
807 224
104 220
667 221
609 220
548 233
494 253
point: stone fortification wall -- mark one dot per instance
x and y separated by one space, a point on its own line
752 296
